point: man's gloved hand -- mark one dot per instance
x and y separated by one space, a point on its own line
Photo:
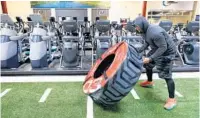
146 60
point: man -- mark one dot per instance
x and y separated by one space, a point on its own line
162 52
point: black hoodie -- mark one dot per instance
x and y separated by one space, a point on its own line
155 37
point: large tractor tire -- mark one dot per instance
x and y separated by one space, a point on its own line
114 74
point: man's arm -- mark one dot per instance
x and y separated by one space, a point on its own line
161 43
143 47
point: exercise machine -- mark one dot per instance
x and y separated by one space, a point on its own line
23 45
86 33
11 37
116 30
179 30
166 25
102 36
40 42
189 46
130 35
72 41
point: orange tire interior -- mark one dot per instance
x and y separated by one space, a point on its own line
105 67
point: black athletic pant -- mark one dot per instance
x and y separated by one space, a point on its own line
170 82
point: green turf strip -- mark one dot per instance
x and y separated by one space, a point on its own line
67 100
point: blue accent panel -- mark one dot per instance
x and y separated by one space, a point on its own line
41 63
13 62
197 18
70 55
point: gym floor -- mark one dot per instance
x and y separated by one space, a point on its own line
67 100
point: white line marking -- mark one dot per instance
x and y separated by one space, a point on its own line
89 107
176 93
4 92
135 95
45 95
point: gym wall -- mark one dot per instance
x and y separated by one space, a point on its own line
178 19
79 13
188 6
118 9
125 9
101 13
197 9
181 5
197 12
0 9
45 13
19 8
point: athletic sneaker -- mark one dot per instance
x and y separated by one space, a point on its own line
170 103
146 84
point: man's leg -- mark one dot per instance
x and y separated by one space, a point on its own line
165 72
171 87
171 101
149 73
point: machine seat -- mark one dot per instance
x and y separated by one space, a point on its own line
103 37
166 25
192 26
190 38
103 25
71 38
130 27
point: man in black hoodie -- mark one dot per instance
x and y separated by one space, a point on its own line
162 52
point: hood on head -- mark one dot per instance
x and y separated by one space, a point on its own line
142 23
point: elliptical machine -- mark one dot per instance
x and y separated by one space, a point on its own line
72 40
179 31
10 38
116 31
102 36
129 35
23 45
166 25
40 42
85 31
189 45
